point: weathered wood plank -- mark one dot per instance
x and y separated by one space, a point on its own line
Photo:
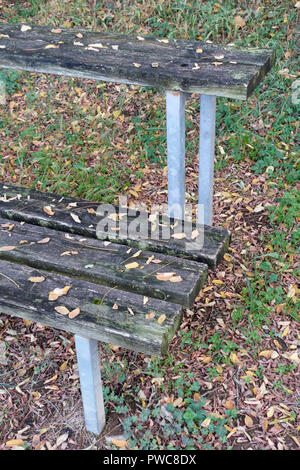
126 325
174 64
94 261
28 205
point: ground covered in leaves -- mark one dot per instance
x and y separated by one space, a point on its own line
231 377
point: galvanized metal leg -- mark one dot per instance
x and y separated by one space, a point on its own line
175 102
206 157
91 384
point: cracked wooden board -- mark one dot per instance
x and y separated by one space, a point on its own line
174 64
93 260
143 328
28 205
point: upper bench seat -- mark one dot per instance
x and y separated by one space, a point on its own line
173 64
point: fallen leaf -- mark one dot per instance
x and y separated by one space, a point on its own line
161 319
178 236
14 442
248 421
36 279
56 293
150 315
75 218
48 210
51 46
132 265
119 443
74 313
25 28
199 50
62 310
115 307
137 65
44 240
164 276
56 31
7 248
176 279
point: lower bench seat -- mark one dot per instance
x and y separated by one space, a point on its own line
110 315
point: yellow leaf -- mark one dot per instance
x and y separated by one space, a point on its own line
7 248
54 294
14 442
270 412
248 421
165 276
131 265
206 359
227 257
285 332
229 405
51 46
217 282
161 319
136 254
36 279
63 366
176 279
267 353
62 310
206 423
178 236
44 240
199 50
234 359
48 210
119 443
74 313
177 402
294 357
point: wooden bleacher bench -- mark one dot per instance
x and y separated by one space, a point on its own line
56 266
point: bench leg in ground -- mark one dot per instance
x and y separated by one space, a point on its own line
91 383
175 103
206 158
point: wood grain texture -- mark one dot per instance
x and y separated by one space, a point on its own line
97 318
174 64
94 261
28 205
